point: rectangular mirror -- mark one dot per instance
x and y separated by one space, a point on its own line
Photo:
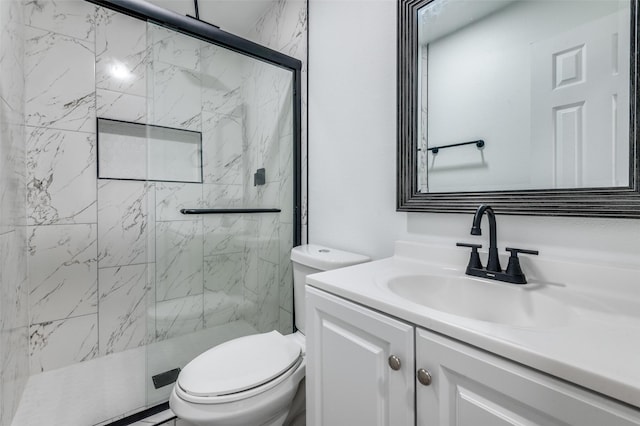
528 105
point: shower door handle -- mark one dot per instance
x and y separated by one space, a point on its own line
227 211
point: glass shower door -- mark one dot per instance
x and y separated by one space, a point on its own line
216 276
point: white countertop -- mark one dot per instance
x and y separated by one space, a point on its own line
598 347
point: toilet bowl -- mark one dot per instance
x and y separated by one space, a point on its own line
236 397
252 380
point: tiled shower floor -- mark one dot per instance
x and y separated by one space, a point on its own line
105 389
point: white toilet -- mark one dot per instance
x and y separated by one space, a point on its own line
252 380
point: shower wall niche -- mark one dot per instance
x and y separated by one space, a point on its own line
120 284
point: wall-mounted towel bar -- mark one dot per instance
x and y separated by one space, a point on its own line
434 150
226 211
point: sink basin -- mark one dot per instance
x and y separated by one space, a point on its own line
506 304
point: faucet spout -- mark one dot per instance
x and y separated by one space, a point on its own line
493 264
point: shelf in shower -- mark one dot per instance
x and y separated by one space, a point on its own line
136 151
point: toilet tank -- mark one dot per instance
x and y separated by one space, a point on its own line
312 258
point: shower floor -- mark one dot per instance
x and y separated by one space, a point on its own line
104 389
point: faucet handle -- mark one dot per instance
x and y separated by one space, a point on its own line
474 247
474 260
513 268
514 251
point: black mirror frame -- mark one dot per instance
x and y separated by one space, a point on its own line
615 202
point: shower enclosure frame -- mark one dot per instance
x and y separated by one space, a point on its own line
201 30
210 33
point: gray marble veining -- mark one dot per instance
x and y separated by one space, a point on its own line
14 350
175 97
124 237
261 308
224 147
124 301
121 106
179 263
286 183
172 197
269 237
61 170
73 18
63 272
284 27
285 267
221 308
243 108
55 344
122 55
222 196
228 233
177 317
59 94
173 48
222 77
223 296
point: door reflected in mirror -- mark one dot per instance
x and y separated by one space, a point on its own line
544 85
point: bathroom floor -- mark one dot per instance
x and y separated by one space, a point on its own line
125 392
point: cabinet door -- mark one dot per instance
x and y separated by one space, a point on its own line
349 378
471 387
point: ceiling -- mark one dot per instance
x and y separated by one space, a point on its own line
235 16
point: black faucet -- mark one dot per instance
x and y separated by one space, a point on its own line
514 273
493 264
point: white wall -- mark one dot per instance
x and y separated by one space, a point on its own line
352 115
352 161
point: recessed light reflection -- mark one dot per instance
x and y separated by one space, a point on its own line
120 71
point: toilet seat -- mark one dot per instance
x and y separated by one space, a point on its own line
239 369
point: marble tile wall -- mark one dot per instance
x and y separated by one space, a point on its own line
126 209
14 360
282 27
90 268
61 192
174 99
125 298
241 271
91 243
113 265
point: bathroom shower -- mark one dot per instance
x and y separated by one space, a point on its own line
143 239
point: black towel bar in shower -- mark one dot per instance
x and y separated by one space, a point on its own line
226 211
434 150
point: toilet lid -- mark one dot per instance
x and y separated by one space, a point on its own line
239 364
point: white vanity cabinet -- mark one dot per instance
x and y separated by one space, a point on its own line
471 387
350 380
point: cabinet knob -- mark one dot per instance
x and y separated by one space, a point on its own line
424 377
394 362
